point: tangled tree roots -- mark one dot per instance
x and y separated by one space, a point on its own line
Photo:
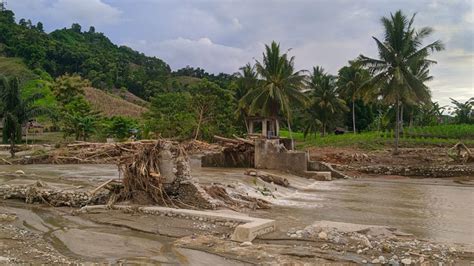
160 174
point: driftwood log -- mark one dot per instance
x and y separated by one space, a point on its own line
461 153
269 178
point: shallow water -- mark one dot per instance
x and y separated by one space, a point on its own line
436 209
83 239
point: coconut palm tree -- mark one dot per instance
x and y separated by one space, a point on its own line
325 101
351 80
401 49
247 80
280 85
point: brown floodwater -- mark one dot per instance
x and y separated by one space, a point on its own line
436 209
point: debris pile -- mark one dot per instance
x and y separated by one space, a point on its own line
460 153
41 193
236 152
160 174
375 244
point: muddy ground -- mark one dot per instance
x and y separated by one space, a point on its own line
412 162
45 234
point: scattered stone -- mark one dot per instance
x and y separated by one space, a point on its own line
375 261
323 235
19 172
406 261
246 244
364 261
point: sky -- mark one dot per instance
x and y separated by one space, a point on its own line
223 35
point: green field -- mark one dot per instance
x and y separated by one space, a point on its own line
442 135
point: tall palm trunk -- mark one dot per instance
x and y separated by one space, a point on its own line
12 145
353 117
401 118
397 127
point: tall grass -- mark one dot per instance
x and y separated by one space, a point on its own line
110 105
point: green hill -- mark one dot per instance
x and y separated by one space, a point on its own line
88 53
15 67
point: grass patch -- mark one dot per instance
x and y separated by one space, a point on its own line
378 140
14 67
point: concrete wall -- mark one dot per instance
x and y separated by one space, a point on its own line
270 154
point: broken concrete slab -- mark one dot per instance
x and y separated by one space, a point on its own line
248 228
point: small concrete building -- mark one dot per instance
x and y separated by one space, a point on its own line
267 127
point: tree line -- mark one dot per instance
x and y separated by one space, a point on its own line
367 94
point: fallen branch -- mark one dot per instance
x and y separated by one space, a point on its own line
8 162
92 193
269 178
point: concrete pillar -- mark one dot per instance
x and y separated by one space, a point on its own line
277 125
264 128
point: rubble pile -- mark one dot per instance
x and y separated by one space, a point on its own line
41 193
236 152
376 244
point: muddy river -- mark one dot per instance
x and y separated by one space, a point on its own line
436 209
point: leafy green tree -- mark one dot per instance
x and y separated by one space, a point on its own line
119 127
280 85
171 115
401 49
68 87
351 80
463 111
15 111
79 120
325 101
213 108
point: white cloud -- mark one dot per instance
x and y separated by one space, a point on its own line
66 12
202 52
91 12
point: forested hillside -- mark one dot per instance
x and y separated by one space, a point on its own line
88 53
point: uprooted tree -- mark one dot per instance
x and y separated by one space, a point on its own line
160 174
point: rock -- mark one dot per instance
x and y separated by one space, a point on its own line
19 172
323 235
422 259
293 235
393 262
365 241
246 244
375 261
364 261
299 232
359 251
406 261
382 259
452 249
386 248
4 259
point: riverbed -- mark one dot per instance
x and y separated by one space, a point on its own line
435 209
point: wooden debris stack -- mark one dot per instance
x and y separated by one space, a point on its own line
236 152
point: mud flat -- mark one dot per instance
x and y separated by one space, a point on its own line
362 216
